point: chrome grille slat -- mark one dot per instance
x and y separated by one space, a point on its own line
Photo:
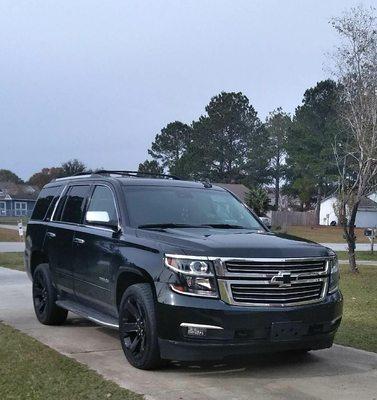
282 265
300 298
282 295
273 271
274 268
273 288
260 282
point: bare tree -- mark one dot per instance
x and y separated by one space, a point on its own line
356 155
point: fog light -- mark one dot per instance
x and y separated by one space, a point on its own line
195 331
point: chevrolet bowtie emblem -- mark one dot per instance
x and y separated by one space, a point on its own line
283 279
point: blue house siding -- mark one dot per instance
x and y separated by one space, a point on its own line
17 200
16 208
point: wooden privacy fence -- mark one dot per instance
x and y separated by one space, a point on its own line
288 218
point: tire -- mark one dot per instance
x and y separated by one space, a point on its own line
138 327
44 297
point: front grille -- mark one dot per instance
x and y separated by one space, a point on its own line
274 267
273 294
272 282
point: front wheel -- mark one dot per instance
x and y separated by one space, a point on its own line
138 327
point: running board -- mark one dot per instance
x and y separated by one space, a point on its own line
89 313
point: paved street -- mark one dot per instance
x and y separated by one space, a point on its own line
343 246
9 247
340 372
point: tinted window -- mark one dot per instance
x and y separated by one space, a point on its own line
103 200
75 204
189 206
53 203
44 201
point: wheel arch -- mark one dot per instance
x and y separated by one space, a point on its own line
130 276
37 257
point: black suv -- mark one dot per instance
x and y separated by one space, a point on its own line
183 269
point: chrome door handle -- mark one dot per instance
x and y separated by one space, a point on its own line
78 241
51 235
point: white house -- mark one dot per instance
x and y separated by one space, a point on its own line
366 216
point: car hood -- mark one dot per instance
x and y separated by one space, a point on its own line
233 243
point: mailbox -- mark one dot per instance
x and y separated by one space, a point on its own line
370 232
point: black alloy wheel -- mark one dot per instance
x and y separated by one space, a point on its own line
40 294
44 298
133 326
138 327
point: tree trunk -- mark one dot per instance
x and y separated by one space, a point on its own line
352 261
351 238
277 192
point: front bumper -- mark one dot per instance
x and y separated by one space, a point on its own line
244 330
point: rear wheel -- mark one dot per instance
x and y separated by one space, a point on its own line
138 327
44 297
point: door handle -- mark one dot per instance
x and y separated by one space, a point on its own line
78 241
51 235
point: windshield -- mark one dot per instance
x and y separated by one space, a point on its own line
170 207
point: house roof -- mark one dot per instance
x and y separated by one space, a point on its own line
13 191
366 204
238 189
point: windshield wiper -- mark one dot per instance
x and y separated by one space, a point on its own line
224 226
167 226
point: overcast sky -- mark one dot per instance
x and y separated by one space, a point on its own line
97 80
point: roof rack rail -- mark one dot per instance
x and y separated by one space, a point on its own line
136 174
77 175
83 173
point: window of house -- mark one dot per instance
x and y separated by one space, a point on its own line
20 208
3 208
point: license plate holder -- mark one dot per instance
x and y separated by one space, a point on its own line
287 331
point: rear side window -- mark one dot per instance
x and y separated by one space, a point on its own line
53 203
45 199
75 204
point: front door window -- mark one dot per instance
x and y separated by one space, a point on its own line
20 208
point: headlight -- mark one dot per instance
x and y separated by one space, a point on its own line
195 277
334 275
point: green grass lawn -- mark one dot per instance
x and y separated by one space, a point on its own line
323 234
13 220
31 370
9 235
360 255
359 324
12 261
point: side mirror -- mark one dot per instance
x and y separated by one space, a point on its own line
97 217
100 218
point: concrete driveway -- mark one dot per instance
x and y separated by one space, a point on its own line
332 374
